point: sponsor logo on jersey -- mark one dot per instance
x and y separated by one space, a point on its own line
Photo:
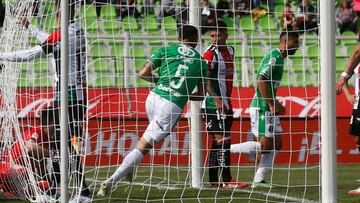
183 50
170 90
272 61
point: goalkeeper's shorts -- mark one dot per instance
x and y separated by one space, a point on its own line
263 124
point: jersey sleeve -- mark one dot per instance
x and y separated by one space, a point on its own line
156 58
51 42
267 67
204 72
209 58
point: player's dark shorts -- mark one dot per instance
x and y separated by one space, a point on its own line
355 122
217 123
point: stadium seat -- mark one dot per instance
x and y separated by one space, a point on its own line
91 25
229 21
142 83
42 81
117 51
50 23
88 11
103 81
256 51
119 65
138 51
267 24
100 65
339 52
313 51
298 64
23 81
48 8
170 25
111 26
108 11
247 25
40 65
119 81
238 51
349 41
149 24
301 80
340 64
279 9
130 24
98 50
311 39
350 49
139 63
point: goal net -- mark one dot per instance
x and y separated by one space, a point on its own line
114 40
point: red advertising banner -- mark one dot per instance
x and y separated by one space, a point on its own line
109 141
130 103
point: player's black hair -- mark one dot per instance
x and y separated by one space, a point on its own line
218 26
49 116
289 34
188 32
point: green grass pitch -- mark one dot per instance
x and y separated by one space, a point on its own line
291 183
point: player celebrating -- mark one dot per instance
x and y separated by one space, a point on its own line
265 108
352 67
181 69
77 81
217 105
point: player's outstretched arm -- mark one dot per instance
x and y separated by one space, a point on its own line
24 55
353 61
146 73
40 35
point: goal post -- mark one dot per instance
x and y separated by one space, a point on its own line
328 101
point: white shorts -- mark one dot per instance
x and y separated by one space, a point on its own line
263 124
163 115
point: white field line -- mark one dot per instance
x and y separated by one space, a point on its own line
269 194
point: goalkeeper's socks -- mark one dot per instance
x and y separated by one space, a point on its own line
266 163
246 147
131 160
213 163
224 160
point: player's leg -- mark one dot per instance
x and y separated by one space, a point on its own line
270 139
166 117
76 119
211 123
249 147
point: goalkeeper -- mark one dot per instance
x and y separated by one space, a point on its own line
36 143
181 70
265 108
77 79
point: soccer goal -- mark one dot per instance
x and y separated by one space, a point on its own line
108 44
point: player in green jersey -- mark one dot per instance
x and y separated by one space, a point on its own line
181 70
265 108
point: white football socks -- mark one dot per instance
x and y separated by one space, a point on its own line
265 165
246 147
131 160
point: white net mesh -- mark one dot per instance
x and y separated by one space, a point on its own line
120 37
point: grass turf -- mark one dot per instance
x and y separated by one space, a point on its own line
291 183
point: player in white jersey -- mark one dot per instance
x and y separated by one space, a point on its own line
352 68
50 44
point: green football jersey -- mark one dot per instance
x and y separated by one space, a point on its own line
181 69
272 68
